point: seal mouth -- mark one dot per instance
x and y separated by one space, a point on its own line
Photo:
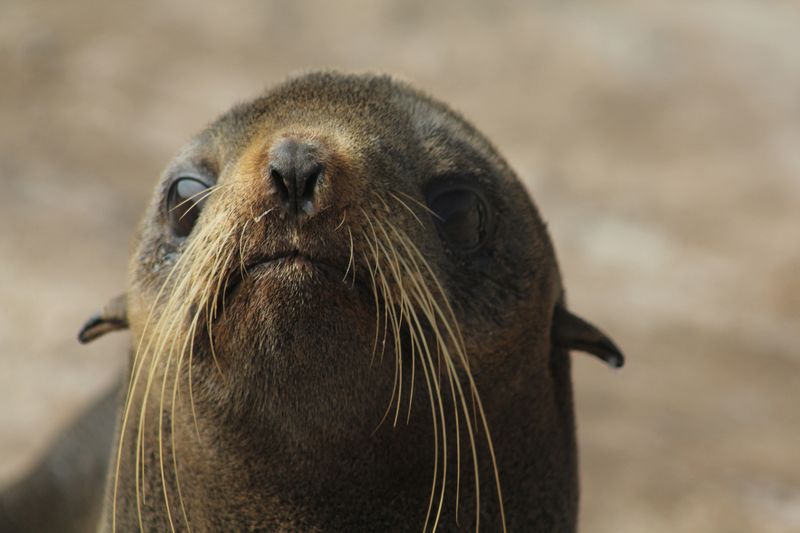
292 260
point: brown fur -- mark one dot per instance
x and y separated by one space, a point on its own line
278 397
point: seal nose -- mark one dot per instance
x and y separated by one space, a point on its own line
295 172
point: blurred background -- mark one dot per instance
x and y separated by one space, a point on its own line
661 141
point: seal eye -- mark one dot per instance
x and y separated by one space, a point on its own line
462 217
185 200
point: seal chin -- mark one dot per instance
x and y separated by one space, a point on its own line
295 330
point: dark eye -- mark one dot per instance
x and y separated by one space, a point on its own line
462 217
185 200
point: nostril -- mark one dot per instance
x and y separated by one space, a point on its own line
311 182
279 183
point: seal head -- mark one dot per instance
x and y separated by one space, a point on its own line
347 316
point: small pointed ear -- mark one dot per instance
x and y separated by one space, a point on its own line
114 316
574 333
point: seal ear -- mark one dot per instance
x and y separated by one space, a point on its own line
574 333
113 316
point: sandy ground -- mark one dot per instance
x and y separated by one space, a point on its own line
661 141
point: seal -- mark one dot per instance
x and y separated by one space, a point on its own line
63 492
347 316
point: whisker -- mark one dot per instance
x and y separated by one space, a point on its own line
205 193
242 267
398 278
390 318
135 374
455 334
344 217
262 215
422 205
211 275
173 446
414 255
419 335
413 213
377 308
161 440
170 331
166 327
350 260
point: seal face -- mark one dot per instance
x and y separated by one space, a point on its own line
348 317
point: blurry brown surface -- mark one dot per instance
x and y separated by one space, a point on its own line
661 140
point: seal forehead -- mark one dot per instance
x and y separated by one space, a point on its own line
323 98
376 107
